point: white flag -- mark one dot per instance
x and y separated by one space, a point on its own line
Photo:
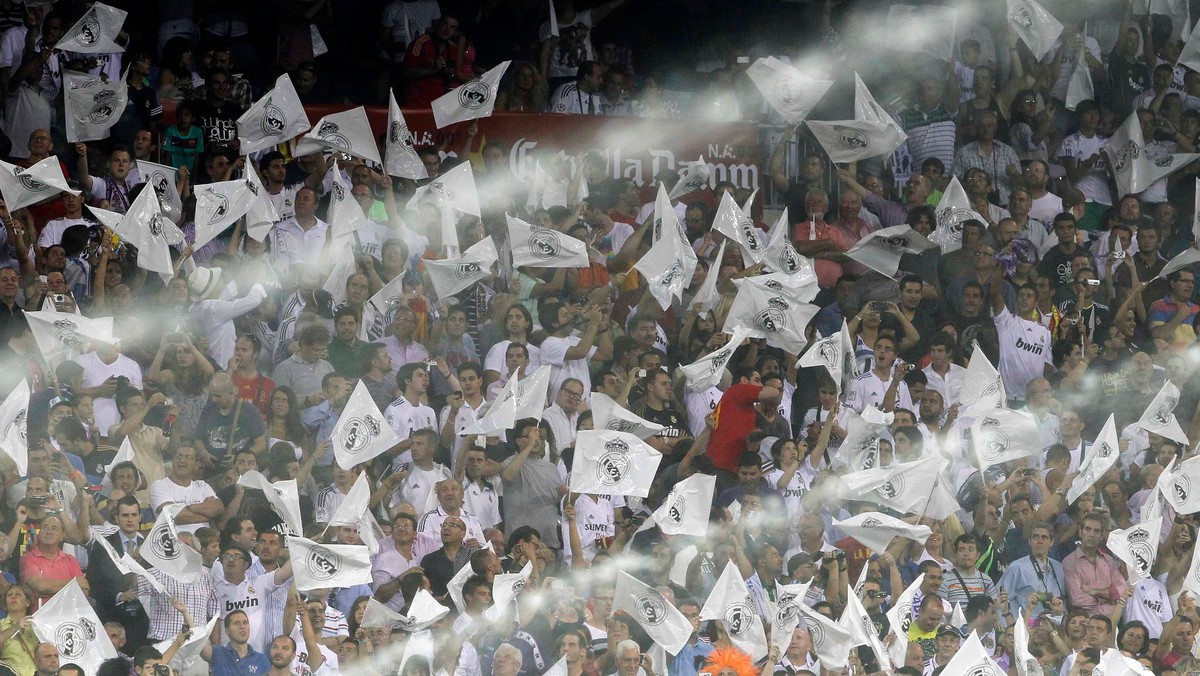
900 618
708 296
22 187
707 371
283 496
613 463
881 250
694 177
953 210
531 395
1036 27
1026 663
731 602
277 117
356 502
871 133
318 566
124 454
831 641
1004 435
452 190
126 565
65 335
1191 583
348 132
609 415
379 615
661 620
668 267
1189 256
1190 55
903 487
1132 168
553 19
95 33
469 101
422 613
379 311
924 29
858 623
454 588
686 509
788 91
733 222
218 206
775 314
836 353
972 658
559 668
145 227
982 389
784 613
452 275
505 588
1099 458
876 530
780 255
262 215
68 621
92 105
500 414
538 247
1159 416
1114 663
1137 546
192 646
163 550
1180 485
1196 215
400 157
162 178
14 423
360 433
345 214
1080 87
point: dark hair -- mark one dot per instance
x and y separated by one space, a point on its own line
144 654
474 582
966 539
266 160
405 374
522 534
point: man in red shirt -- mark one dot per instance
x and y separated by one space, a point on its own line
437 62
736 418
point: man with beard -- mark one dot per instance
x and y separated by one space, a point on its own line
223 412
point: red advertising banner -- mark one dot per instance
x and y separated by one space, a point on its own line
634 148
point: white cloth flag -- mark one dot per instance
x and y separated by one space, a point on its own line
924 29
780 255
609 415
452 275
469 101
283 496
1185 258
881 250
126 565
693 178
613 463
972 658
904 487
145 227
707 371
379 311
452 191
14 426
1159 416
1132 168
785 613
318 566
733 222
1137 546
861 444
1080 87
1190 55
858 623
163 549
505 588
538 247
218 206
348 132
871 133
708 296
836 353
1004 435
262 215
831 641
92 106
661 620
1180 485
668 267
400 155
686 509
65 335
731 603
1025 662
361 433
422 613
192 646
354 505
788 91
559 668
162 178
982 389
1036 27
876 530
1191 583
531 395
68 621
345 214
1099 458
95 33
900 618
953 210
500 414
775 314
22 187
277 117
379 615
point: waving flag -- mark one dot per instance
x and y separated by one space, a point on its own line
68 621
900 618
345 214
1080 87
731 603
875 530
1182 260
661 620
1137 546
192 646
65 335
469 101
145 227
218 206
355 504
1099 458
1036 27
126 565
775 314
694 177
163 179
707 297
95 33
22 187
871 133
862 436
613 463
881 250
1133 169
14 426
283 496
1159 416
453 190
904 487
1003 435
379 311
953 210
784 613
262 215
505 588
531 395
972 658
538 247
733 222
422 613
780 255
92 105
163 550
275 118
1180 485
788 91
400 155
500 414
831 641
452 275
348 132
926 29
707 371
835 352
609 415
1026 663
982 389
668 265
858 623
686 509
318 566
360 433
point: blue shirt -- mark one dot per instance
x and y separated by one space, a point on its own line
684 664
225 662
1023 578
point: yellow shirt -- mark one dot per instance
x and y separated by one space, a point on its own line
17 653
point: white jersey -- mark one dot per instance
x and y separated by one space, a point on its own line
494 361
1093 184
868 390
1024 352
699 405
406 418
1151 605
950 386
285 200
256 597
554 352
483 500
594 520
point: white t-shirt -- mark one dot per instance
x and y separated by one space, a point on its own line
494 361
95 372
1046 207
53 232
166 491
554 352
948 386
300 661
594 518
417 487
1094 184
574 44
405 418
869 390
253 596
285 200
1024 352
699 405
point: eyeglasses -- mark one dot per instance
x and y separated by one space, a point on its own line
573 394
455 524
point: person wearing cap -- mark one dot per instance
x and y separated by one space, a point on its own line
215 306
945 644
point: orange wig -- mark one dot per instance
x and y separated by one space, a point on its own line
730 658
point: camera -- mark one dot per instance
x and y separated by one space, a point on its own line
122 381
57 298
1093 282
839 555
37 500
162 670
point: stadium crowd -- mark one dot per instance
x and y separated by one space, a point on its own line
170 472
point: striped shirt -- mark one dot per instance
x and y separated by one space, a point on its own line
930 135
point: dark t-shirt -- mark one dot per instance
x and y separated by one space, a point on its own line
219 123
214 428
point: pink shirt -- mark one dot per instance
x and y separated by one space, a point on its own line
62 567
1105 573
